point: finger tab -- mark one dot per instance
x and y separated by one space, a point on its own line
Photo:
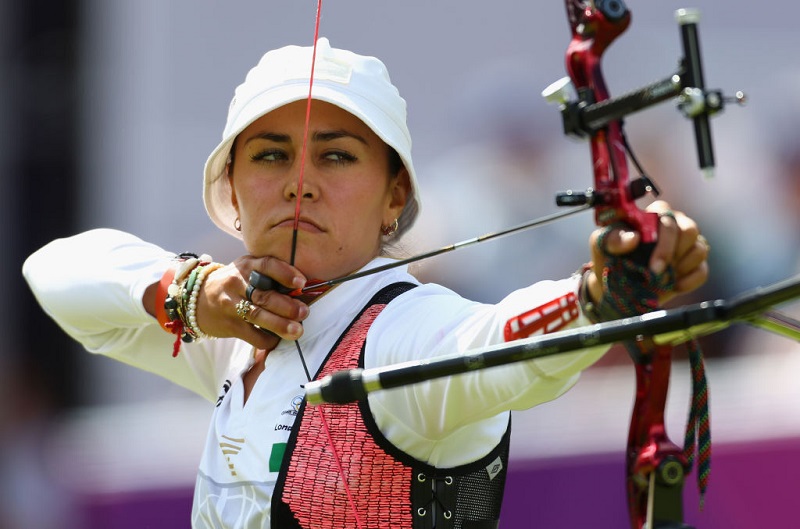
260 281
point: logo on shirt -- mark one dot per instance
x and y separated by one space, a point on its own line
231 446
494 468
295 406
276 456
292 412
225 387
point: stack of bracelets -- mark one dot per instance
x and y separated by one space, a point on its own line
176 300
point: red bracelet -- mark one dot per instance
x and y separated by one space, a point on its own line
161 298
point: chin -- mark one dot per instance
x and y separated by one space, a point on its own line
272 245
315 259
314 269
321 267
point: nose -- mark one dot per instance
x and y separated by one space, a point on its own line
301 181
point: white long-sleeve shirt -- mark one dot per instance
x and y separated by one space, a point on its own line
96 297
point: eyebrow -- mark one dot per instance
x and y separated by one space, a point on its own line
317 136
336 134
270 136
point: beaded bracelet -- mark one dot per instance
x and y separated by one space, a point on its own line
191 306
173 304
174 275
174 308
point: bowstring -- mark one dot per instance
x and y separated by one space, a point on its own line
295 229
306 128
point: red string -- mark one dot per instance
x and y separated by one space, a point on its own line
176 328
305 134
339 466
303 152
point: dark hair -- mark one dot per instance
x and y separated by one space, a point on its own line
395 162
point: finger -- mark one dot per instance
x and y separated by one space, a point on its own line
270 322
692 258
688 235
279 271
259 338
664 250
660 206
281 305
620 242
284 327
617 242
692 280
668 234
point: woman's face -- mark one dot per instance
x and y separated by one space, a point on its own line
347 191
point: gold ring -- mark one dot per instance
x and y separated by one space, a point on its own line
668 213
243 309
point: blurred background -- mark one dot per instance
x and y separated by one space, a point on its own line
110 107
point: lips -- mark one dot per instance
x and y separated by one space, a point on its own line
304 224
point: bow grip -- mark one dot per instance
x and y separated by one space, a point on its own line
646 224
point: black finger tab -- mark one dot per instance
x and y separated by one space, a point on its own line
260 281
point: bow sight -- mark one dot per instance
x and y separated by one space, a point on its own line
583 116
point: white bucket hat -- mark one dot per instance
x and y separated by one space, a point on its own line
358 84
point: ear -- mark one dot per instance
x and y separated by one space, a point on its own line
399 191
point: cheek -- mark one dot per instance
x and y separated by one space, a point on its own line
366 210
251 195
253 209
375 197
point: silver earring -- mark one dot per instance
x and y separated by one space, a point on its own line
237 224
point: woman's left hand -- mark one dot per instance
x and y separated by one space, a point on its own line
679 245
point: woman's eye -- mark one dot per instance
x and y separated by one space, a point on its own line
269 155
339 157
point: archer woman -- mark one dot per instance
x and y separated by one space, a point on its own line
327 199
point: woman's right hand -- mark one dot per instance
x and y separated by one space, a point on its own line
271 316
